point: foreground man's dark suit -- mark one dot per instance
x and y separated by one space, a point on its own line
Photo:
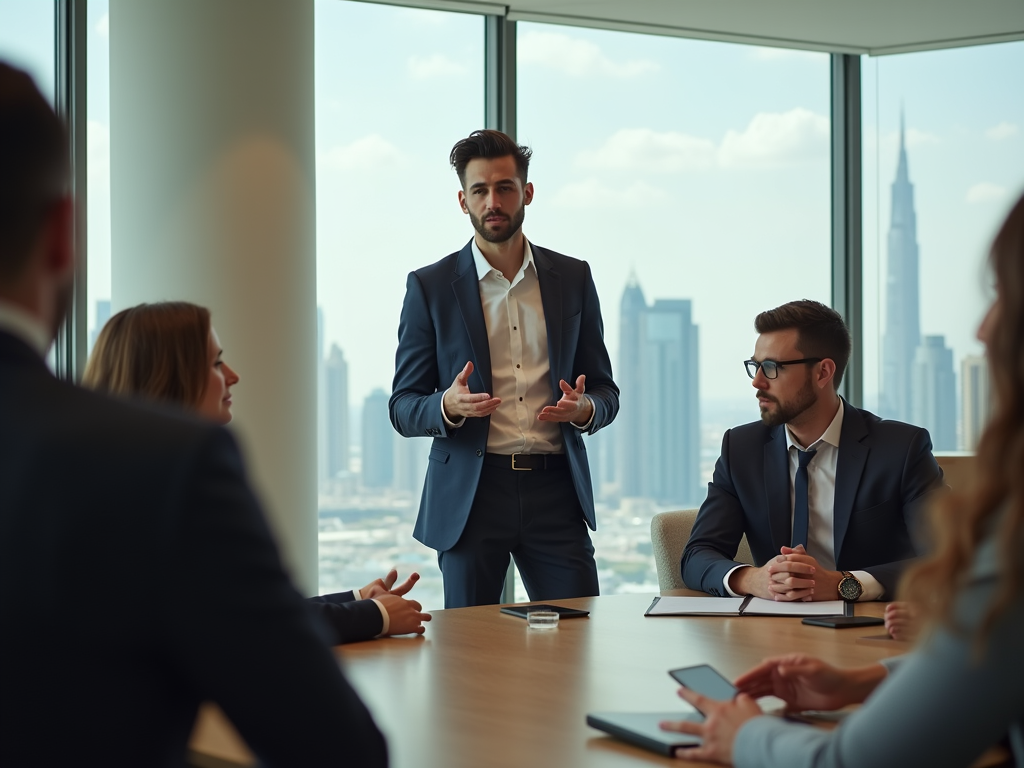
137 579
884 474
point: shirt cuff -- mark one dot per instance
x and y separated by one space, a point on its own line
871 589
384 615
593 413
356 594
448 422
729 575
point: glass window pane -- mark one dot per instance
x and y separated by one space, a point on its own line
98 149
27 38
943 162
395 89
694 177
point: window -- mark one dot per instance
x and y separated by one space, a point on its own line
98 160
943 163
694 177
27 40
395 89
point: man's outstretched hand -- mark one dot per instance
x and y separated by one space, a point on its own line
572 406
459 403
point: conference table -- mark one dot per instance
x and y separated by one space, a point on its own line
483 689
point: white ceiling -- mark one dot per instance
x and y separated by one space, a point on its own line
840 26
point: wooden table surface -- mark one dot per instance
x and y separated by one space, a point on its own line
481 688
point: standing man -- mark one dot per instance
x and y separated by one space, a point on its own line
138 577
501 359
827 494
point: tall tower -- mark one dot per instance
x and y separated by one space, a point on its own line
933 384
335 418
629 426
378 441
977 399
902 292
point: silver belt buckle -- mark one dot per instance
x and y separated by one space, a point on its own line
520 469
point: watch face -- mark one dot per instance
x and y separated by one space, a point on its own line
850 588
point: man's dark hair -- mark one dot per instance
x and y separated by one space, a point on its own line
489 144
34 167
822 332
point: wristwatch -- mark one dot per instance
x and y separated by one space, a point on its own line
850 588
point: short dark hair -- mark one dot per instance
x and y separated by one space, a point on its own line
489 144
34 167
822 332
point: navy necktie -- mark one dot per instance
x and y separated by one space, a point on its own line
801 511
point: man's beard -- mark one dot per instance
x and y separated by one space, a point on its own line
515 223
785 413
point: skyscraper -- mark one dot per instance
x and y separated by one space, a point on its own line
336 418
378 442
933 383
658 434
902 291
977 400
322 472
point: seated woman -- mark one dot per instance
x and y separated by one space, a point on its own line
962 689
169 353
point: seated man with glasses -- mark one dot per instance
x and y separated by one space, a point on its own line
827 494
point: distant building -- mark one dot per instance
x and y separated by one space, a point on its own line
336 413
378 457
322 449
658 427
934 392
902 333
977 400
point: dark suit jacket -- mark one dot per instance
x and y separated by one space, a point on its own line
350 620
138 578
884 472
442 327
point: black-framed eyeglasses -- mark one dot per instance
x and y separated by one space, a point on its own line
771 367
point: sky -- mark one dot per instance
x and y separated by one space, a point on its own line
702 168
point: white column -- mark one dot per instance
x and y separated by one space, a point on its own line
212 201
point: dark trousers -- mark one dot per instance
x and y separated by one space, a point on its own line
536 518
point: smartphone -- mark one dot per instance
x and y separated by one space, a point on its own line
843 622
705 680
561 610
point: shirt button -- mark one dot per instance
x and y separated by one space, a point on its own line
479 452
517 365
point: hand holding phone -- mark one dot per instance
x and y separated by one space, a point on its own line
705 680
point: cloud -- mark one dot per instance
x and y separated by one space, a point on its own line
592 194
985 192
369 152
775 139
1002 131
103 25
642 149
576 58
438 65
781 54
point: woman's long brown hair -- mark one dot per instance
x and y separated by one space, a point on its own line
155 351
961 521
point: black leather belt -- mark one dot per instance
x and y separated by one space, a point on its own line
527 461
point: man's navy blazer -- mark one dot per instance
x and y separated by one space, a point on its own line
884 474
138 578
442 327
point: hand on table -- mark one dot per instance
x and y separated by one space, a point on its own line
459 403
902 621
789 576
722 721
572 406
404 616
805 682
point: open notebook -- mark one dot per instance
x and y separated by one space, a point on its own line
740 606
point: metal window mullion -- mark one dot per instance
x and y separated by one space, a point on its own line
847 253
70 60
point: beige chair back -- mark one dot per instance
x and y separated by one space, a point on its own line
669 533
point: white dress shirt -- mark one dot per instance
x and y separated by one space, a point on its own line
821 492
17 322
517 336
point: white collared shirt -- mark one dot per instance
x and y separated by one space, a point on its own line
821 492
17 322
517 336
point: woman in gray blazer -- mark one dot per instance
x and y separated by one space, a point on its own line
962 689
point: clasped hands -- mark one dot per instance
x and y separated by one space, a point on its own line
459 403
404 616
789 576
